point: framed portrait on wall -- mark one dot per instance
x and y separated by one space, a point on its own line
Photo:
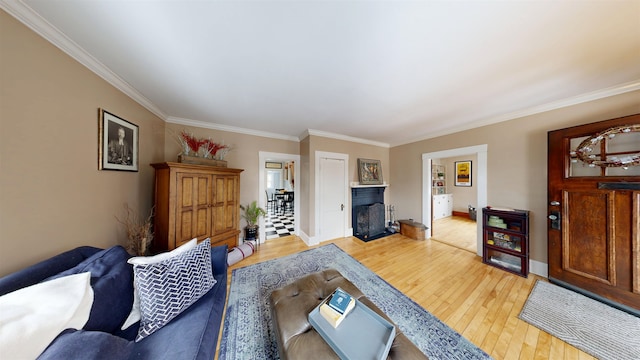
369 172
118 143
463 173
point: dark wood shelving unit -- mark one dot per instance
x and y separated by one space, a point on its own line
505 242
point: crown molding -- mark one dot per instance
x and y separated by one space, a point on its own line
234 129
25 14
40 26
330 135
554 105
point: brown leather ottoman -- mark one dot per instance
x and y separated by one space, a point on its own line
290 306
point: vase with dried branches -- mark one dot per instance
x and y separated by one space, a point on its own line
191 145
139 231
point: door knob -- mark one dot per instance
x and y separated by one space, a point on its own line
555 203
553 217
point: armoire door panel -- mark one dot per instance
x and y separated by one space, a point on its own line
184 230
230 202
219 194
635 243
194 207
587 245
186 196
219 217
218 213
202 223
229 220
225 204
204 185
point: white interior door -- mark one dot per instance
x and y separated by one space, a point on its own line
333 202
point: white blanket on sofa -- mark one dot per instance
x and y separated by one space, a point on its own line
32 317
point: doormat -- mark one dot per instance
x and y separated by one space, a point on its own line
587 324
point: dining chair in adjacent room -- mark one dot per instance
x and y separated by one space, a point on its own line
270 200
288 201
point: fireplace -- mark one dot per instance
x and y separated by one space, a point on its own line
370 220
368 212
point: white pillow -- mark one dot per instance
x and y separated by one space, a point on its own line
32 317
138 260
134 315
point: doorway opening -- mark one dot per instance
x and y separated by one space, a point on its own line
480 178
278 194
451 201
457 231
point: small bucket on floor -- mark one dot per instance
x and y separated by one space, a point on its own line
472 213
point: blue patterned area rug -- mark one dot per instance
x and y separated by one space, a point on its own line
248 332
589 325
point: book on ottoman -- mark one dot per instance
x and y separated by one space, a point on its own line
336 307
362 334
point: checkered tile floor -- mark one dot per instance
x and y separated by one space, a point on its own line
279 225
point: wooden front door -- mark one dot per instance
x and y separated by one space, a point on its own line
594 210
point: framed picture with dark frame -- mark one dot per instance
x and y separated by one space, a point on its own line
369 172
118 143
463 173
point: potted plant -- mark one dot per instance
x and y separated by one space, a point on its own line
251 213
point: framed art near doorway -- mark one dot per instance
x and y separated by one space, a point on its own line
463 173
369 172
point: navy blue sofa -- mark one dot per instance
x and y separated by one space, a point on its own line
191 335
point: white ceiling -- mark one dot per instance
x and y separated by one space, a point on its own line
390 72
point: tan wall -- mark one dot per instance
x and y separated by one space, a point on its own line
517 160
355 151
53 197
304 183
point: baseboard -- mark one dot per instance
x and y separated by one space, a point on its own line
538 268
309 240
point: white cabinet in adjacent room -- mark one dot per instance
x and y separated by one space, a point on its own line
442 206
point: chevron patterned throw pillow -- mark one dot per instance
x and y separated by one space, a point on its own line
169 287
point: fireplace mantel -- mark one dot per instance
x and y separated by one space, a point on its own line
357 185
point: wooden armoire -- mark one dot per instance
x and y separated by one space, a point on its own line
195 201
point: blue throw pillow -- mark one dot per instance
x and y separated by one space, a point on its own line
112 284
79 344
169 287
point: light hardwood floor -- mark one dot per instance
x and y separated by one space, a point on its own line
456 231
480 302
